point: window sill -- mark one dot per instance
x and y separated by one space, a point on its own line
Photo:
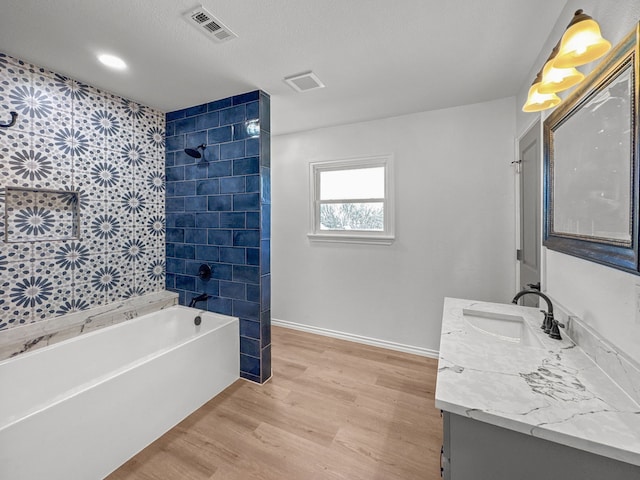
351 238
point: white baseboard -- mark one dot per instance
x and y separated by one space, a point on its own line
423 352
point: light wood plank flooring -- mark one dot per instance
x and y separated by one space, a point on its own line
333 410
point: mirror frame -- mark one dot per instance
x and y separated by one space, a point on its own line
612 252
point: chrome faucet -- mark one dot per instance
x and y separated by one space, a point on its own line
203 297
550 325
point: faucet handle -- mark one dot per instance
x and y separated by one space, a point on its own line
545 320
204 272
554 331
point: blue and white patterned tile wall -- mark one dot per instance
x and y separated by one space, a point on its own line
75 137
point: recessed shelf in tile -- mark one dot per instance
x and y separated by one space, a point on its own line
34 214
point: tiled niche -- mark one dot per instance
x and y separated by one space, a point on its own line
57 213
219 214
70 136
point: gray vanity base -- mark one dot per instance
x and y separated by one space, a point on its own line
475 450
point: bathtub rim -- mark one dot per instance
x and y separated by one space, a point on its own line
79 389
95 331
24 338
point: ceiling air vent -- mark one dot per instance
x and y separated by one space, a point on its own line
209 25
303 82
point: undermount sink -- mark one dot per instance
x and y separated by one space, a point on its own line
502 327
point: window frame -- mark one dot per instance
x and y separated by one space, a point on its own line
385 237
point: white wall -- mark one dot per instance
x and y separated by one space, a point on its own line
603 297
454 225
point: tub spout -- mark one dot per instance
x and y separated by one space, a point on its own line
203 297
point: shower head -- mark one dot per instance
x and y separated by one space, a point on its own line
193 152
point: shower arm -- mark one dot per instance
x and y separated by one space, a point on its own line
14 117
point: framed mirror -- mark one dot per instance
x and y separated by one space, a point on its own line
591 164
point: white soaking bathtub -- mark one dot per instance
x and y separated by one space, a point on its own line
80 408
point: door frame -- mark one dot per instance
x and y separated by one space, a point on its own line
536 122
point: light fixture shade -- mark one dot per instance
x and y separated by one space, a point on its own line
558 79
537 101
581 43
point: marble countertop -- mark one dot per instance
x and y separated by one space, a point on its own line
553 391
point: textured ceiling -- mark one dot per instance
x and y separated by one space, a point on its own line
377 58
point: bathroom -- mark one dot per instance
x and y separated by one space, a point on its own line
456 227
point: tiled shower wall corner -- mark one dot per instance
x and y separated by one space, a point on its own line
218 213
72 136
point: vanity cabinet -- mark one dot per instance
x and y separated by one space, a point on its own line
474 450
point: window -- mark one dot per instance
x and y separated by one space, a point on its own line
352 200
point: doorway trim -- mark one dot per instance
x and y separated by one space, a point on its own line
535 122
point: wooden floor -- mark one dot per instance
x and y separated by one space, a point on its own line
333 410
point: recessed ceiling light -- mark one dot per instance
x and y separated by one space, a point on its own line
112 61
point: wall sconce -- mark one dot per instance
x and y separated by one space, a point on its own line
581 43
556 79
538 101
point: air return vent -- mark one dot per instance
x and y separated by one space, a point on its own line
303 82
209 25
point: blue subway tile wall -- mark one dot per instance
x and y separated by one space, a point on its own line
218 213
73 136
